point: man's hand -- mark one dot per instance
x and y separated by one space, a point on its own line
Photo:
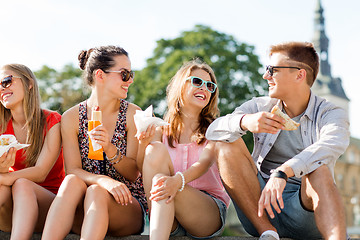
262 122
272 196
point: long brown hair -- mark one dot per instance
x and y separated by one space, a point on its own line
174 93
35 119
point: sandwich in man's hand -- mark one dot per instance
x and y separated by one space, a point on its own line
289 124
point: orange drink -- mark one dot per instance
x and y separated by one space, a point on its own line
93 123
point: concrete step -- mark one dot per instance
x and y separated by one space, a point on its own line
37 236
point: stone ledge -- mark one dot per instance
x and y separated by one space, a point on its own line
37 236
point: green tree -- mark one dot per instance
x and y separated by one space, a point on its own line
235 64
61 90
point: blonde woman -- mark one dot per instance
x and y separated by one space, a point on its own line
180 178
31 177
100 197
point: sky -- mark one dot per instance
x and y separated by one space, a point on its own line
53 32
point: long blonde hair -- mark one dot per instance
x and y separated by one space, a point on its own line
35 119
174 93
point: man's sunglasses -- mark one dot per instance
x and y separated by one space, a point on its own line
270 69
7 81
125 74
198 82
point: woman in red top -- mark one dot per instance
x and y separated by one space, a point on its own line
30 177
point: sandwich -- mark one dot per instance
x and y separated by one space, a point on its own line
4 141
289 124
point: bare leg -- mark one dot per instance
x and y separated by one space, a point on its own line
62 211
103 214
6 208
156 164
194 210
204 219
31 204
319 193
239 176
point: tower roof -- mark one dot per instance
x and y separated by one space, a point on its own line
325 83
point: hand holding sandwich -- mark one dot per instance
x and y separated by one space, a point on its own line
262 122
7 160
268 122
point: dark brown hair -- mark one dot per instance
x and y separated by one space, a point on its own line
98 58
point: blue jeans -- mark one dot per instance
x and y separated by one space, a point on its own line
293 222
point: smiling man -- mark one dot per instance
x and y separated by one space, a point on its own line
286 187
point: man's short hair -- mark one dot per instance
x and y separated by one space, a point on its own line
302 55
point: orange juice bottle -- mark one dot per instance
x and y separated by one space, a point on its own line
93 123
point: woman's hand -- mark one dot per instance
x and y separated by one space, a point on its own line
146 136
165 187
101 136
118 190
7 160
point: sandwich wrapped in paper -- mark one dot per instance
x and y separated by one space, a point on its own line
143 119
8 141
289 124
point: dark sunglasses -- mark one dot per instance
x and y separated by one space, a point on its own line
198 82
270 69
125 74
7 81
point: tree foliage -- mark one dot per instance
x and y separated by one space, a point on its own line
235 64
61 90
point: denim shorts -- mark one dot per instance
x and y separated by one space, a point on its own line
144 216
294 221
180 230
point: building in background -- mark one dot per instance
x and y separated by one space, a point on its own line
347 169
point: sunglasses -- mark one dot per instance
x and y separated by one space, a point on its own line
7 81
198 82
270 69
125 74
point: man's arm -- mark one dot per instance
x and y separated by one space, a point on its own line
251 116
332 141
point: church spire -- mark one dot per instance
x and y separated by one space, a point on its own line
325 85
321 41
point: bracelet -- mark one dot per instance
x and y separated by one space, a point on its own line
275 173
115 156
116 162
182 179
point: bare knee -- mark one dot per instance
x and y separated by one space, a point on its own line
236 148
234 153
96 193
319 184
321 179
155 154
22 186
72 184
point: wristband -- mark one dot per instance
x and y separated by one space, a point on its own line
275 173
182 179
115 156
